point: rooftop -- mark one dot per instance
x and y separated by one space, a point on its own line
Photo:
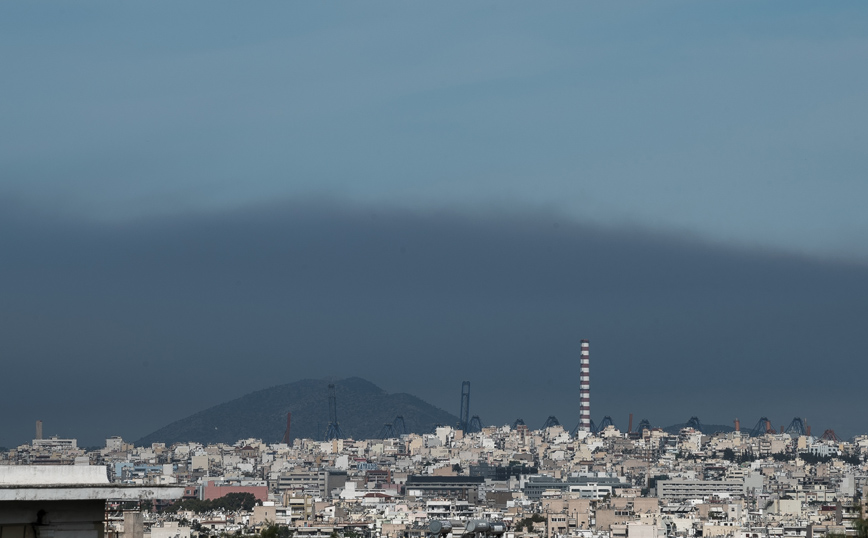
72 482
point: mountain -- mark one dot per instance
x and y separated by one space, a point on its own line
362 410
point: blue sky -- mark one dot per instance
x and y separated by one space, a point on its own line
739 121
343 188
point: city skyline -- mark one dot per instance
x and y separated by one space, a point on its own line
516 482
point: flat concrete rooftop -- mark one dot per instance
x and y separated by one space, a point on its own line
72 482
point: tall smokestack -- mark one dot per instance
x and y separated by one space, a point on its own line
38 429
585 389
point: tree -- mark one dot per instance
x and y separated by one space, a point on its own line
527 523
273 530
852 459
230 502
861 526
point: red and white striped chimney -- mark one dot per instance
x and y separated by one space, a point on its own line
585 389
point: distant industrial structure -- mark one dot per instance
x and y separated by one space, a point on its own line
464 413
399 426
470 424
763 426
605 423
334 429
551 421
475 424
798 427
585 388
466 423
393 429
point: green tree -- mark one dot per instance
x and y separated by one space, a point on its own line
273 530
861 526
230 502
527 523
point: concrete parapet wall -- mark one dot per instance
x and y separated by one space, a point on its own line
53 475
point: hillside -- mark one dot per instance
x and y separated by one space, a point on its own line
362 409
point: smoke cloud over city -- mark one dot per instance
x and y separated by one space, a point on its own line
118 328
